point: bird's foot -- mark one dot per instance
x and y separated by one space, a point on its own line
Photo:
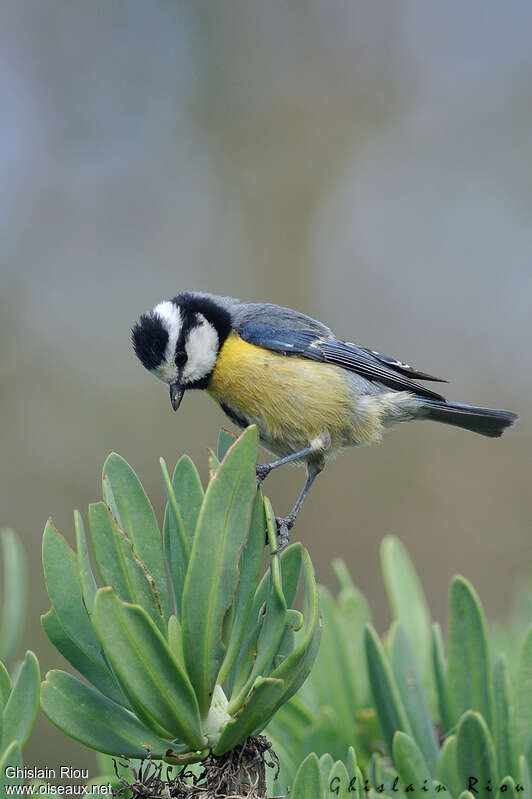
262 470
284 525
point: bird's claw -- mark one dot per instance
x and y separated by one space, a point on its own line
262 470
284 525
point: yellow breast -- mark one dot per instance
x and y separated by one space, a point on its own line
292 400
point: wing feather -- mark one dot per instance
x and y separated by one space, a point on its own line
327 349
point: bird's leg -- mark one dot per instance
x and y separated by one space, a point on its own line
285 524
264 469
319 444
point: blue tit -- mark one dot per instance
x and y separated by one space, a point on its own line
309 393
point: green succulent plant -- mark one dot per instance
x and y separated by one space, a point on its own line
14 594
419 713
187 648
19 692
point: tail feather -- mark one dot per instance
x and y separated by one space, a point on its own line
486 421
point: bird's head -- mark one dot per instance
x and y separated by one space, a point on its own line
178 341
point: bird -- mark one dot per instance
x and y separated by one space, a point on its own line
309 393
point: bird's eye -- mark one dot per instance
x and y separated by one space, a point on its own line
180 358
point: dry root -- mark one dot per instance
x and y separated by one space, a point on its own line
239 774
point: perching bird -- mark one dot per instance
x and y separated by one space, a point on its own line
309 393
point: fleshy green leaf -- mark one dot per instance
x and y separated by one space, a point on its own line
290 571
507 789
22 705
94 668
469 671
351 762
253 715
448 767
86 576
271 630
505 733
475 753
64 589
440 678
408 681
226 439
408 760
150 676
250 565
337 782
221 532
384 778
97 722
124 493
390 709
308 783
525 778
336 686
176 542
408 603
14 594
295 669
523 696
326 763
291 565
188 492
10 758
175 640
352 616
119 565
5 686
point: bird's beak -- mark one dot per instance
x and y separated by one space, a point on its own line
176 395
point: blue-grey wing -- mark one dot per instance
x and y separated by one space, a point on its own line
327 349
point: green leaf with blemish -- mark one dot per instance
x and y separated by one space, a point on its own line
119 565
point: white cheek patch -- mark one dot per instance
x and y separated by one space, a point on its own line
171 316
202 350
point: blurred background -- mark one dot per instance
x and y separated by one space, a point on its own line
367 163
